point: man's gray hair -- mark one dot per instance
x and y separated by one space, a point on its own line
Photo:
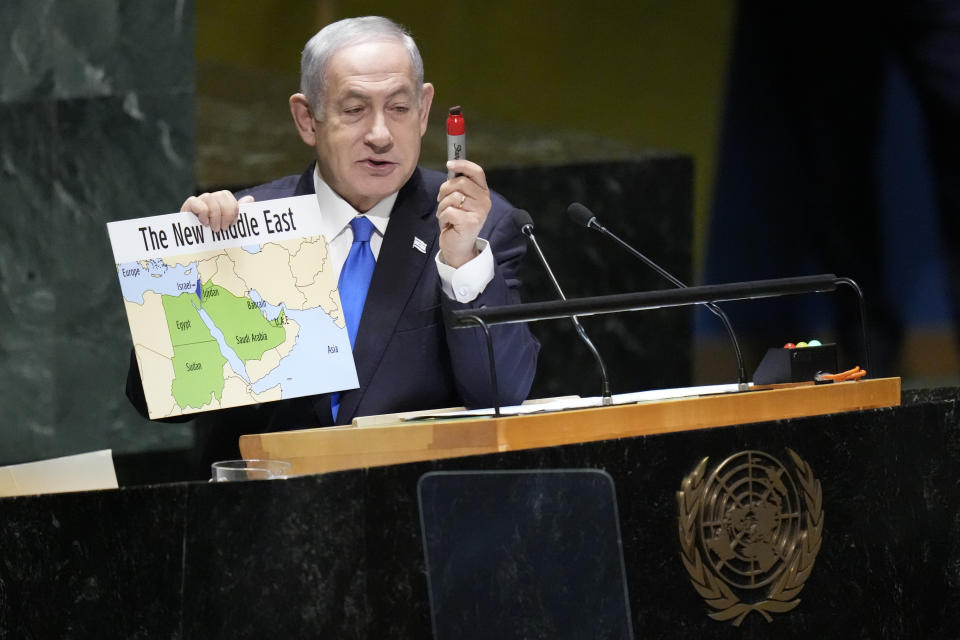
350 31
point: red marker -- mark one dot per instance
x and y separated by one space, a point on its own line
456 137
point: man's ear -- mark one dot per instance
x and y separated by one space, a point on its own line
425 103
303 119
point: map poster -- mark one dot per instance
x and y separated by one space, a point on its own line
247 315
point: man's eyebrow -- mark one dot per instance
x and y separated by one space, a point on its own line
401 91
355 94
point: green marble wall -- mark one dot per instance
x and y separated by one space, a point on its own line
96 124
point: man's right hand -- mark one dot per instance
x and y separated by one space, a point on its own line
217 210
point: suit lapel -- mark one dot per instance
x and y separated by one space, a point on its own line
305 184
399 268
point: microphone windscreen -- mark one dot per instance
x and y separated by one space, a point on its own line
521 218
580 214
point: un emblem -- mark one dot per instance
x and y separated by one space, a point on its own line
749 533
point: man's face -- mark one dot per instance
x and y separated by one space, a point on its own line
368 143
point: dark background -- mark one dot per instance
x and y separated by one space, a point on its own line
791 131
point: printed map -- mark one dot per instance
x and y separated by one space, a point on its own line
234 325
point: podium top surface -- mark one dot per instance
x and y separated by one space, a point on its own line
320 450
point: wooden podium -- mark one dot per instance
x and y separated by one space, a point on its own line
337 448
343 555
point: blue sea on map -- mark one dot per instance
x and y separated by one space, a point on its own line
298 373
235 362
318 334
157 277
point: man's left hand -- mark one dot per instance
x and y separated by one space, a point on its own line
463 205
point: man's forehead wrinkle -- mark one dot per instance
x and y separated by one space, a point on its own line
364 90
370 59
380 77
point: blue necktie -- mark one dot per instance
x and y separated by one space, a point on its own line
354 283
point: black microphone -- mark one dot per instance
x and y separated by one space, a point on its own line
585 218
525 224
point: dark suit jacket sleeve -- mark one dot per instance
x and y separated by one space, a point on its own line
515 348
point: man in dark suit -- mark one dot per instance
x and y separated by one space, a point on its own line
439 243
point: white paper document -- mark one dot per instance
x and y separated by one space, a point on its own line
567 403
247 315
81 472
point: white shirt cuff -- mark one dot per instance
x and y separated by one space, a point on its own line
469 281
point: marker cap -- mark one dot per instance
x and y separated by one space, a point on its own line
456 125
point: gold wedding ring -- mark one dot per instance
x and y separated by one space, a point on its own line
463 199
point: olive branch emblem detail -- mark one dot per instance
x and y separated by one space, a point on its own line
741 528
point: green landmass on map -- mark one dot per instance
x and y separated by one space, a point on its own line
244 327
197 361
198 374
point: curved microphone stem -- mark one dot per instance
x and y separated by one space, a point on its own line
607 397
863 318
494 386
741 372
714 309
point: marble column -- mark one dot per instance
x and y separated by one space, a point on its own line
96 124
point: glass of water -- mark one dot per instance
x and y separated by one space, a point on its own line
231 470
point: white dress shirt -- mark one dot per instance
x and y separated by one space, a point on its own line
463 284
